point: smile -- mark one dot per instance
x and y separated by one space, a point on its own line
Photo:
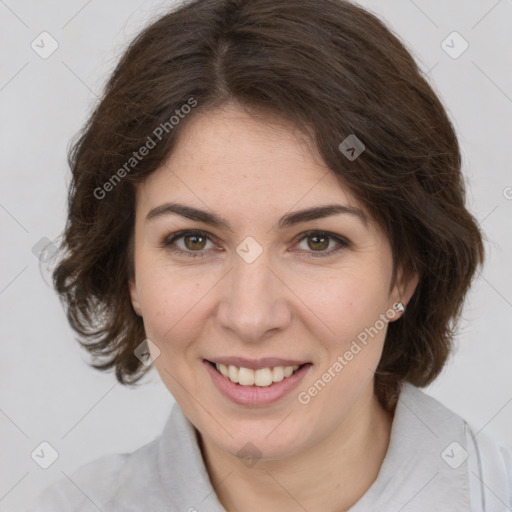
262 377
255 387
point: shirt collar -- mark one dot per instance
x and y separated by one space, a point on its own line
424 468
182 469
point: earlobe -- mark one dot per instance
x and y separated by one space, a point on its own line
134 297
403 291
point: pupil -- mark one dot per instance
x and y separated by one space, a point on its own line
319 237
193 245
315 238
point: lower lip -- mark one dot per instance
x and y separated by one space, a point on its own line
255 395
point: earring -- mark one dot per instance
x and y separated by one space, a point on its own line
399 306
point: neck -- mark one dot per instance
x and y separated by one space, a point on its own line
330 476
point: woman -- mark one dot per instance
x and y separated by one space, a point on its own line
268 205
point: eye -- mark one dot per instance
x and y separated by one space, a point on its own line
318 241
193 243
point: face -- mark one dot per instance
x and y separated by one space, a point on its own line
251 279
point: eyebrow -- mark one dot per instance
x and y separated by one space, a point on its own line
286 221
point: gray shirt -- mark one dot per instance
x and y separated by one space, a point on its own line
435 462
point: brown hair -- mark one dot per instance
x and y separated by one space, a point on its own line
331 68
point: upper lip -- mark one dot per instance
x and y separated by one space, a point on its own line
255 364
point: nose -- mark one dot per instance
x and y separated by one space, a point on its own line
255 302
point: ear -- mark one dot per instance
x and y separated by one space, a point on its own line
404 288
134 295
132 286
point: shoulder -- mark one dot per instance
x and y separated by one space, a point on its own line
489 452
488 462
161 476
94 484
490 471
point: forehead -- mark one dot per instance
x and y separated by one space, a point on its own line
228 157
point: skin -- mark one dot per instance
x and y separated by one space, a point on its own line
288 303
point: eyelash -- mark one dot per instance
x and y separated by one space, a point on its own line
169 240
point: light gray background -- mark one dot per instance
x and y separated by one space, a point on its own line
48 393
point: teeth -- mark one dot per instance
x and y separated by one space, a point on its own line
278 374
233 373
223 369
263 377
288 370
248 377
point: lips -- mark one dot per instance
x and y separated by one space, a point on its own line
259 394
260 377
256 364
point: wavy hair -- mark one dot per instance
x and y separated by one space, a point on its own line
333 69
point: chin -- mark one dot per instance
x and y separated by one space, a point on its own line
269 443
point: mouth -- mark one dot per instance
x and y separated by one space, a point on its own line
261 377
259 386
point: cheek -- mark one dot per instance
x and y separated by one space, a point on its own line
349 300
354 313
172 303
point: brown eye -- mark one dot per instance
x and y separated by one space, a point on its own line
187 243
318 242
194 242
